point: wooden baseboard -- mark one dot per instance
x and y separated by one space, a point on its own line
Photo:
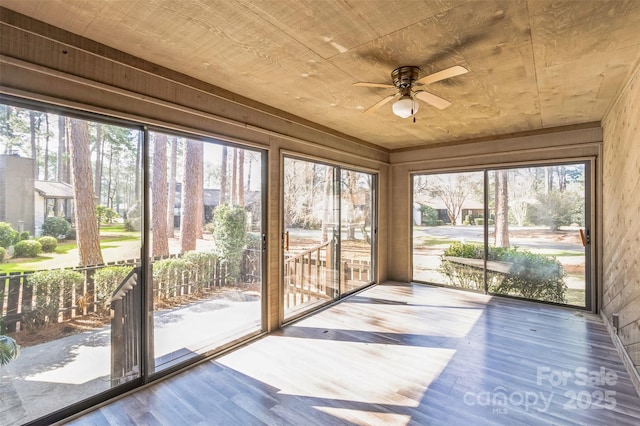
626 360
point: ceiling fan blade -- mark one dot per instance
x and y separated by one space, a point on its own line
432 99
386 86
442 75
381 103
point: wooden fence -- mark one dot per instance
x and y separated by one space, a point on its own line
18 299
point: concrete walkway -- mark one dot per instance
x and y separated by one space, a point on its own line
52 375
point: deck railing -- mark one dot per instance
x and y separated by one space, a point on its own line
125 328
308 275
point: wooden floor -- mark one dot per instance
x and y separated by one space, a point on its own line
404 354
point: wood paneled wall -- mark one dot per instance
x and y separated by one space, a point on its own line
621 225
43 63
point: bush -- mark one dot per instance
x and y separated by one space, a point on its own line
55 226
230 236
49 244
169 275
71 234
49 287
106 281
3 253
532 275
27 248
24 235
202 270
132 223
106 214
7 234
428 215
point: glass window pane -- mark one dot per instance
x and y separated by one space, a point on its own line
69 204
535 248
311 221
206 246
448 229
357 232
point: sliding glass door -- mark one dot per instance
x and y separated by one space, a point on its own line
66 186
205 209
124 254
329 233
521 231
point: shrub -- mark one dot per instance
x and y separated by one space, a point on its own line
169 275
49 244
27 248
7 234
71 234
24 235
106 280
3 253
230 236
203 265
428 215
532 275
55 226
132 223
49 287
106 214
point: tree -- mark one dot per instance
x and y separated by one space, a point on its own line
171 200
159 197
234 177
453 189
241 201
190 189
223 176
502 209
88 237
98 178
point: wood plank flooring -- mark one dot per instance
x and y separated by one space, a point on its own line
400 354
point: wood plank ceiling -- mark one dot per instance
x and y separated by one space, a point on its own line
532 63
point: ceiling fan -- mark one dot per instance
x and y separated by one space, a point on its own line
405 79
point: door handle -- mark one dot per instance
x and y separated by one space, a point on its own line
286 241
585 236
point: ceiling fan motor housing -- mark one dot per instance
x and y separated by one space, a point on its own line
405 77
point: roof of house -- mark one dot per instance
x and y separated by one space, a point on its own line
49 189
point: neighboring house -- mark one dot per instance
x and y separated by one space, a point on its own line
52 199
470 208
16 192
24 202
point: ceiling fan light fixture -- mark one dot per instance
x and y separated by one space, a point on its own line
405 107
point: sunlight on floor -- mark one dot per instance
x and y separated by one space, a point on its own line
340 370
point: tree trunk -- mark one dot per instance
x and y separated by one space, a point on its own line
326 208
159 197
171 200
234 178
223 176
502 210
88 235
351 194
241 177
137 179
189 222
46 147
98 178
33 127
200 193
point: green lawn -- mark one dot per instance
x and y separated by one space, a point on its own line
63 248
